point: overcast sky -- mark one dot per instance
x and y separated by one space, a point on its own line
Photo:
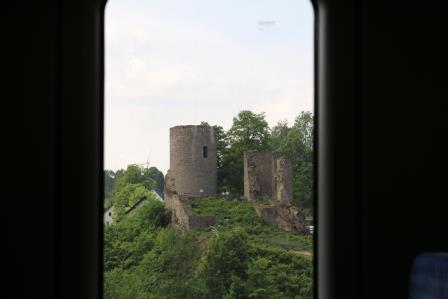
178 62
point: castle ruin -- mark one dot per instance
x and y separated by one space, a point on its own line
192 173
267 175
193 160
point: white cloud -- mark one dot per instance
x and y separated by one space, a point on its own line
161 73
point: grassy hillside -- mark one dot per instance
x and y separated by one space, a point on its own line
245 258
231 214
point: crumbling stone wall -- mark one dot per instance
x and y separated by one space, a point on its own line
180 206
180 209
284 180
193 160
258 175
181 213
283 215
267 176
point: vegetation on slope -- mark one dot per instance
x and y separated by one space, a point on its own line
145 258
135 175
243 258
240 213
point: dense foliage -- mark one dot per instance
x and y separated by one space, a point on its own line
124 188
250 131
243 258
296 143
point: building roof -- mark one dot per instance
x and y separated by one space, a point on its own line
138 203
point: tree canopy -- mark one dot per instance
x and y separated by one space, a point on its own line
145 258
124 188
297 145
249 131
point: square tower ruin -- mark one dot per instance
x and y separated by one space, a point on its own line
267 175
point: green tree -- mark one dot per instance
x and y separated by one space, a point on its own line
278 133
126 196
117 183
249 131
260 283
226 262
167 271
156 176
126 241
121 283
297 145
109 180
134 174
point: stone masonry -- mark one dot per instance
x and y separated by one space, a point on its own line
283 180
193 160
267 176
180 207
192 173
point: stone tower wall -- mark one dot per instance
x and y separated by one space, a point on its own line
191 170
267 176
258 175
284 180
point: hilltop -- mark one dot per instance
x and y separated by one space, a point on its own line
239 257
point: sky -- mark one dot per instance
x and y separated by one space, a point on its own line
180 62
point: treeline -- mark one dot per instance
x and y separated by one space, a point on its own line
250 131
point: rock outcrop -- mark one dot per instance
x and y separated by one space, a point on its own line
282 215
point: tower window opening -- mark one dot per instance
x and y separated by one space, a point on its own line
204 152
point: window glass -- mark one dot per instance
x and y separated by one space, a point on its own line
209 149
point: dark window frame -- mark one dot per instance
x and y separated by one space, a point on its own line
90 19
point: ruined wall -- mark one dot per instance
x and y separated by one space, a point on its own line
258 175
284 180
192 171
181 213
180 207
267 176
283 215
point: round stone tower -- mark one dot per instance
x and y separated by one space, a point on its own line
193 160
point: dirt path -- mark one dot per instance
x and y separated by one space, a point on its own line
302 253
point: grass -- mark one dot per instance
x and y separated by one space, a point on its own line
232 213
